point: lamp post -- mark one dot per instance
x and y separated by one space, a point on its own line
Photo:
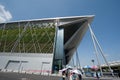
93 61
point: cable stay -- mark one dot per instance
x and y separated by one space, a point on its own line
98 47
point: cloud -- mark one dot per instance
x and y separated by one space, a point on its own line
5 15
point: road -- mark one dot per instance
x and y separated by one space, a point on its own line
25 76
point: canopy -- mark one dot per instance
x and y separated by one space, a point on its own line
76 71
87 66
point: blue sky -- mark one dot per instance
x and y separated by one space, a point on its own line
105 24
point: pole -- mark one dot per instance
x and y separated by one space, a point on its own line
95 47
78 59
103 55
101 51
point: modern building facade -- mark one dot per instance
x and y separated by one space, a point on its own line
115 66
41 45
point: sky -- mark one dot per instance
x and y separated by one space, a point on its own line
105 24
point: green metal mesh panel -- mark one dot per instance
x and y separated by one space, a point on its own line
27 37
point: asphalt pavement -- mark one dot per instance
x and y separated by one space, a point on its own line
25 76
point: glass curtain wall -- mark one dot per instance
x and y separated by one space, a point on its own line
58 60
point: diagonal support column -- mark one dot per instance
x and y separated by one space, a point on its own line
95 47
96 43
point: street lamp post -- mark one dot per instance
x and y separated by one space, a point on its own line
93 61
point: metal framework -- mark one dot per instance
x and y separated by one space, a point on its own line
27 37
